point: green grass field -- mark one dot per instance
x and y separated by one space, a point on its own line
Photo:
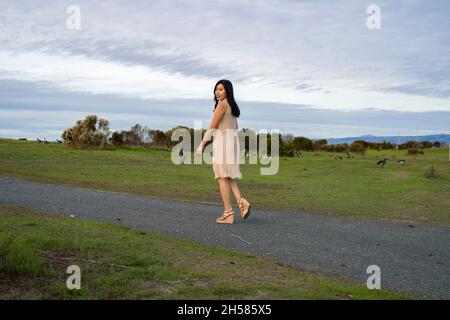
312 183
116 262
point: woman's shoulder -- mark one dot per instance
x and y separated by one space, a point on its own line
224 104
224 101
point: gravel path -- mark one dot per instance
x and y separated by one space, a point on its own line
413 257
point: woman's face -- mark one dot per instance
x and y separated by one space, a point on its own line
220 92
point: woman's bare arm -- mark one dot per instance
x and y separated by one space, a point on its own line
221 109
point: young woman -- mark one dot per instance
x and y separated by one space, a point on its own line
226 150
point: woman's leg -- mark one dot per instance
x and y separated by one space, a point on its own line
234 189
225 192
244 206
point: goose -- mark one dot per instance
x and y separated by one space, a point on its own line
182 156
335 157
381 163
401 161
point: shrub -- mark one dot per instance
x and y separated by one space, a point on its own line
117 138
358 148
373 145
302 143
386 145
341 147
426 144
414 151
318 144
87 132
437 144
329 148
364 143
432 172
158 138
288 150
409 145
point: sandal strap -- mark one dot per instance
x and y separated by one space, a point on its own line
228 213
240 203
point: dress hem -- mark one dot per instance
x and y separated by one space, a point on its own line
227 176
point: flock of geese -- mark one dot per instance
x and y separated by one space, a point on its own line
348 155
380 163
46 142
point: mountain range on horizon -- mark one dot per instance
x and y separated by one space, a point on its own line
392 139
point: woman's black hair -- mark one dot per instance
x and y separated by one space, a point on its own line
230 97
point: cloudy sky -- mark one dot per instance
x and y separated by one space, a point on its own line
311 68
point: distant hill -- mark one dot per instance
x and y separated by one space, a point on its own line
392 139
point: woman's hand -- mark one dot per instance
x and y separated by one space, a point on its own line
200 149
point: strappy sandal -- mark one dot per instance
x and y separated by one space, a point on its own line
244 207
227 217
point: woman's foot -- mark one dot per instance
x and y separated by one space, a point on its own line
244 207
227 217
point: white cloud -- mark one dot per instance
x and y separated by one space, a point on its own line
88 75
175 49
79 73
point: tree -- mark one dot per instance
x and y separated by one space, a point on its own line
287 137
287 149
168 136
341 147
386 145
318 144
87 132
411 144
426 144
158 138
364 143
302 143
358 148
117 139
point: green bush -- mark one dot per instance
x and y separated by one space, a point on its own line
432 172
87 133
302 143
414 151
358 148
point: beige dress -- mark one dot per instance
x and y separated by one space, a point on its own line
226 148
